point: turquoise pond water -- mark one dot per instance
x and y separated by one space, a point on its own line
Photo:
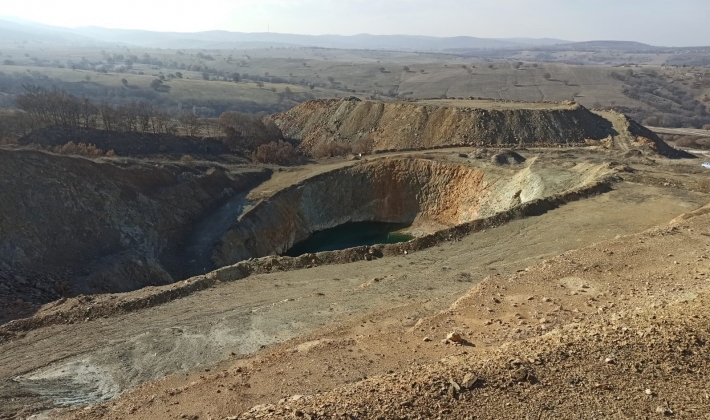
350 235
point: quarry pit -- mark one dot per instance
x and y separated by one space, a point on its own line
422 195
181 270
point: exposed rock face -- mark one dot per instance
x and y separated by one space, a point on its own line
396 191
431 195
70 225
440 123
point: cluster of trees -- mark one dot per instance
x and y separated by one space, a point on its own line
690 142
673 106
13 125
43 107
242 133
278 152
245 132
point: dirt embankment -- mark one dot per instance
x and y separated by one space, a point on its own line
71 225
615 330
432 124
632 135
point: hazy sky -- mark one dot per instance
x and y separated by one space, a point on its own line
658 22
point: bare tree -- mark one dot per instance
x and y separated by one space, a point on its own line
190 124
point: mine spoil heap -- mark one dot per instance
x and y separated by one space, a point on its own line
435 123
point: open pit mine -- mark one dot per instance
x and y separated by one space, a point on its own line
491 259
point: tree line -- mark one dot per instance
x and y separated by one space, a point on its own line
241 133
43 107
246 134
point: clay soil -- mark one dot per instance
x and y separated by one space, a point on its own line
595 309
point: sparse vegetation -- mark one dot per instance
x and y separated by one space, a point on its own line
244 132
81 149
190 124
673 106
277 152
692 142
364 145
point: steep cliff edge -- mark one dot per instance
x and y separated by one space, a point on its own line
439 123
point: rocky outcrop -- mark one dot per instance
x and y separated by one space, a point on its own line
428 194
442 123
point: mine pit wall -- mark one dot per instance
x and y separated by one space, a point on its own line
71 225
392 190
406 126
76 310
427 194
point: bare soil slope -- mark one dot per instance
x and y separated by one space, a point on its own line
440 123
615 330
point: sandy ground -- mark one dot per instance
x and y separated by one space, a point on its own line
87 362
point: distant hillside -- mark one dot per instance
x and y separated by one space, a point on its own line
31 32
19 32
629 46
219 39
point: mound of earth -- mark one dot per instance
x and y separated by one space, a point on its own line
429 124
70 225
633 136
507 157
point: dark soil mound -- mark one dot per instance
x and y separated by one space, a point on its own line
507 157
127 143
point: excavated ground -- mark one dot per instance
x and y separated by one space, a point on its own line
328 328
426 194
71 226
